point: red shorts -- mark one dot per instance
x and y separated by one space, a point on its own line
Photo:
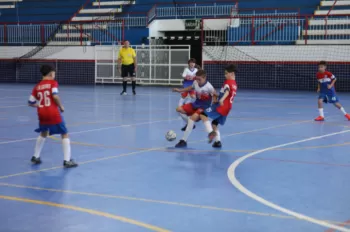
188 108
190 93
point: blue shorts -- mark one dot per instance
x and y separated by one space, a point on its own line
59 129
214 115
327 98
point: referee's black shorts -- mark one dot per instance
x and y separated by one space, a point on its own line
128 70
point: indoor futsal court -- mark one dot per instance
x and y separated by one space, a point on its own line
278 170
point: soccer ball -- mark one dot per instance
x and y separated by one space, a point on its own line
170 136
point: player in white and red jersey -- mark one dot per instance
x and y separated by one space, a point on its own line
45 98
326 89
204 92
189 74
219 111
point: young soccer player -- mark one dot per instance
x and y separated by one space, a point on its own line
326 90
49 107
189 75
204 92
218 112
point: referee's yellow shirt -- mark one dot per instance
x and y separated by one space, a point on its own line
127 55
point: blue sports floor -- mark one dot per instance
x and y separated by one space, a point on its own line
278 170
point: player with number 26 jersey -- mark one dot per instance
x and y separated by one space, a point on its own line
48 110
45 99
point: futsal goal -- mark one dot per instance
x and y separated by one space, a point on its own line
156 64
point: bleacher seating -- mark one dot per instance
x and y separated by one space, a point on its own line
80 16
8 4
102 9
82 28
332 29
40 11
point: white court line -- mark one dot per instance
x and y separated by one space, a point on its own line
231 173
93 130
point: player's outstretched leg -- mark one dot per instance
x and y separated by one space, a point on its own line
182 112
320 109
341 108
68 162
208 128
188 131
40 141
217 139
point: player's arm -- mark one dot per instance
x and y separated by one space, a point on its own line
227 92
56 98
32 102
333 80
134 58
318 87
119 60
187 89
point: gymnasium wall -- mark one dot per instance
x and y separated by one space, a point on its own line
261 67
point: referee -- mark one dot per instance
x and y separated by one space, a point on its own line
127 59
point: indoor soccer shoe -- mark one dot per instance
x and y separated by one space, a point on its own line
70 164
347 116
35 160
319 119
134 92
211 136
123 93
181 144
217 144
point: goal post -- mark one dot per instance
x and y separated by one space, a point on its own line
156 64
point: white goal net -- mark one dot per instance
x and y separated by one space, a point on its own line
156 64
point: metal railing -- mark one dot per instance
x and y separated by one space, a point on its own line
82 33
274 29
238 29
194 10
132 21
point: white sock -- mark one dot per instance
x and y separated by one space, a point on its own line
39 146
181 101
208 127
321 112
218 137
189 129
343 110
184 117
66 149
